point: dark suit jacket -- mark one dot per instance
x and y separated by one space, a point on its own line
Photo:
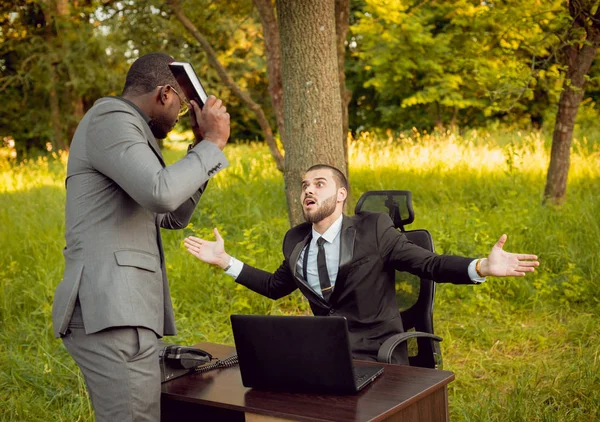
371 250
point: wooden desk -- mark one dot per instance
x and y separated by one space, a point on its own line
401 393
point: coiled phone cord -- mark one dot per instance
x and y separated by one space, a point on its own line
218 364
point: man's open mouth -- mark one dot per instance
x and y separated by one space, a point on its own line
309 202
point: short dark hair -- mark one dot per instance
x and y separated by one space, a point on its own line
148 72
338 176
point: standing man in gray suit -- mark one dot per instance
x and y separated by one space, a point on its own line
114 300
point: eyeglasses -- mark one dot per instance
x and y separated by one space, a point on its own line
183 109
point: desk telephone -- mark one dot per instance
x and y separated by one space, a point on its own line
176 361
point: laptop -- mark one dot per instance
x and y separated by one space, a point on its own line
298 354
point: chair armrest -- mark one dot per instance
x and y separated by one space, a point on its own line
387 348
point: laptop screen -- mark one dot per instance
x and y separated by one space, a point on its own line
294 353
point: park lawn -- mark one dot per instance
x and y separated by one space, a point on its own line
522 349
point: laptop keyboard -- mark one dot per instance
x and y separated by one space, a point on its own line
361 374
358 378
364 374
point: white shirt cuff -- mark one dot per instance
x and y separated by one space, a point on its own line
236 268
473 274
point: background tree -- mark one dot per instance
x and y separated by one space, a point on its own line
266 10
446 63
55 14
270 30
581 44
342 25
311 92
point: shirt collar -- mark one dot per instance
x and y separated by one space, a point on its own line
332 232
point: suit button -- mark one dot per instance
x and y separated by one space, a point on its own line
331 311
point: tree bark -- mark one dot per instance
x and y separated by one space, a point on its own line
311 93
578 58
214 61
266 10
342 24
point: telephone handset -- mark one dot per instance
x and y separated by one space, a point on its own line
185 357
176 361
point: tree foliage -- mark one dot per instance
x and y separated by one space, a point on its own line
410 63
453 62
43 53
233 31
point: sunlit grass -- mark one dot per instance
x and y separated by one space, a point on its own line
474 152
522 349
29 174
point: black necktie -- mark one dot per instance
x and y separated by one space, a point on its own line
322 268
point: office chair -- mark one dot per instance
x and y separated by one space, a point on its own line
414 295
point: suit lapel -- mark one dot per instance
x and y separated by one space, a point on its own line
299 278
296 254
153 144
348 235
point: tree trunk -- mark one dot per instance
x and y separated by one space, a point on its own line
438 118
266 10
579 57
214 61
558 170
342 23
62 7
59 136
50 10
454 118
78 107
311 93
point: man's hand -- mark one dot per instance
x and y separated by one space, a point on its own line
210 123
195 112
500 263
207 251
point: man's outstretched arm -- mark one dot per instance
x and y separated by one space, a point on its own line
272 285
406 256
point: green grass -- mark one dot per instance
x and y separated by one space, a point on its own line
522 349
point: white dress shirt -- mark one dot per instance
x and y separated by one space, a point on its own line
332 256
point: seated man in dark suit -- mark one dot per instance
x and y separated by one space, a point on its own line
345 265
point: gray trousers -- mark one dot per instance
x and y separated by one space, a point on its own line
121 370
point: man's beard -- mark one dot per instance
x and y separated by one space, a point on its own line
325 210
160 127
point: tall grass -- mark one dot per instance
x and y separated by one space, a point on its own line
523 349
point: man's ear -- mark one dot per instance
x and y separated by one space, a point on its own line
342 194
162 94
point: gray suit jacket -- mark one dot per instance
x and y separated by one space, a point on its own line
119 193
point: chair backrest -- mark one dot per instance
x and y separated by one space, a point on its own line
415 296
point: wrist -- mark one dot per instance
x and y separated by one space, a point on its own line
213 138
481 267
225 262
